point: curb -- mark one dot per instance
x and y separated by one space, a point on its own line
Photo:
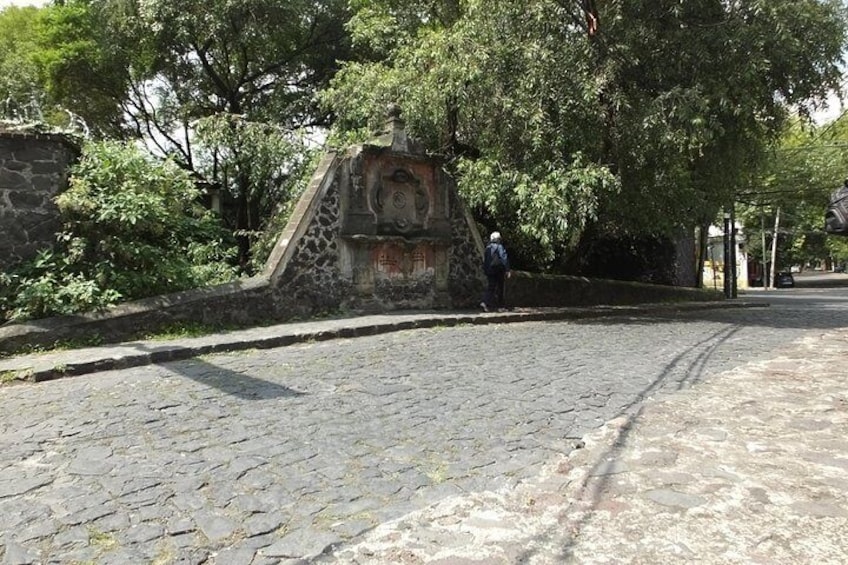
29 369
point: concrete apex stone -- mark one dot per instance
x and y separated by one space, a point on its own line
393 111
394 134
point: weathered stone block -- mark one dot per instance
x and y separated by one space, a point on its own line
55 169
36 150
12 179
27 198
45 183
17 166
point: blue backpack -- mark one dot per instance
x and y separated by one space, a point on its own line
495 262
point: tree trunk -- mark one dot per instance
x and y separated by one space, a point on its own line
703 244
242 219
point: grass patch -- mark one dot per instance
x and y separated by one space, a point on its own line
102 540
182 330
7 377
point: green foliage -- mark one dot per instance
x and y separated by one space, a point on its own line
548 207
648 128
22 95
258 163
132 228
263 58
85 58
482 82
201 82
806 164
238 78
51 284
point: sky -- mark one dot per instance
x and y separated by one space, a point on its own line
833 111
4 3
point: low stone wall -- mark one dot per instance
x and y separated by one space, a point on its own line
33 170
256 301
537 290
379 228
238 304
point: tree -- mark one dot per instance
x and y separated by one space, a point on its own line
644 126
486 84
22 95
88 60
247 61
805 165
169 66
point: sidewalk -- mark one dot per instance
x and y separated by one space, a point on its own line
65 363
748 467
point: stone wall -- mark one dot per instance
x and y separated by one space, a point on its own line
537 290
33 170
379 228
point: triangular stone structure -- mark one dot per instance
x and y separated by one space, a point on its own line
380 227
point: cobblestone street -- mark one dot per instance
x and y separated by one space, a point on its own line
265 456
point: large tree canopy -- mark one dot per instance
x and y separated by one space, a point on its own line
648 124
637 120
172 72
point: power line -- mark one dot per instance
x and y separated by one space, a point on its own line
812 147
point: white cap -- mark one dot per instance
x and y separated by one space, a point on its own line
496 236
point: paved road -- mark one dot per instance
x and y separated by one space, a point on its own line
267 456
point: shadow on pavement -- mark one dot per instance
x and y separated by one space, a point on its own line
229 382
783 309
693 374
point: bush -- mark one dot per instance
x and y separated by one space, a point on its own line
132 227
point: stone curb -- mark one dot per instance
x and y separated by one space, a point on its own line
108 357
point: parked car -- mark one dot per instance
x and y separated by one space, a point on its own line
784 280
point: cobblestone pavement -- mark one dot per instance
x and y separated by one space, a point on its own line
299 453
746 467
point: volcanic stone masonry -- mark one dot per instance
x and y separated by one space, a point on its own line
33 170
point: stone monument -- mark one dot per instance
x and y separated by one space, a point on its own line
381 228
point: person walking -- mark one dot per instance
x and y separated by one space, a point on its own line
496 268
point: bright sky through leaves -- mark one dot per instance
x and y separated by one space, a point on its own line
5 3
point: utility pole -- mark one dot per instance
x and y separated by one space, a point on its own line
734 288
774 245
728 257
766 281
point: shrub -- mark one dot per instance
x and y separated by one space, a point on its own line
132 227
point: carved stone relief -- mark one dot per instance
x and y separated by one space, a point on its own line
401 203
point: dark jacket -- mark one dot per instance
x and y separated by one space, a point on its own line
492 249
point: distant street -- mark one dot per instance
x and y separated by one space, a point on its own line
264 456
820 279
